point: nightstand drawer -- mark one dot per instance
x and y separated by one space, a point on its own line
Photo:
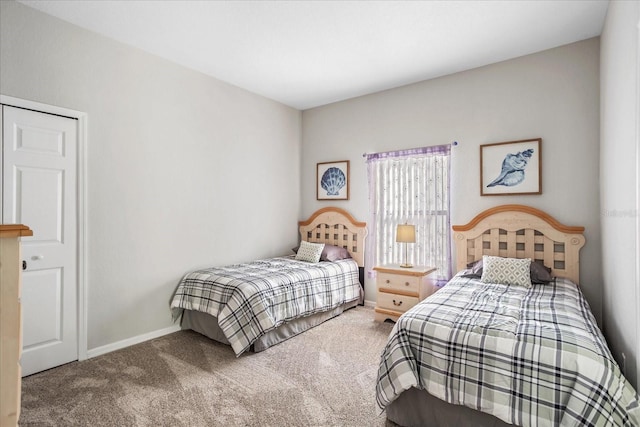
395 302
397 282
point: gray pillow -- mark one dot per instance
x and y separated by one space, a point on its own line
540 274
330 253
334 253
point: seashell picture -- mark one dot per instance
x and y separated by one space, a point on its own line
513 167
332 180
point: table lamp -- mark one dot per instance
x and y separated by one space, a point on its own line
406 233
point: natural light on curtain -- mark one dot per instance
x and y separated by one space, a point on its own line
410 186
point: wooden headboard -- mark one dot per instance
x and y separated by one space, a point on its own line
337 227
518 231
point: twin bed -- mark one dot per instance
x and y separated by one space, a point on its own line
506 341
493 349
255 305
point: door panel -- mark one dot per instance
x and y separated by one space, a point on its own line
38 195
38 140
39 189
42 291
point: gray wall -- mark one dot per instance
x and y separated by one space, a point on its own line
619 186
184 171
553 95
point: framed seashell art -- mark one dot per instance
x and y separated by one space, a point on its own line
332 180
509 168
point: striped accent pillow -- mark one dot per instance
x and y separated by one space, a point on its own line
506 271
309 252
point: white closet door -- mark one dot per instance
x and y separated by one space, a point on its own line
39 189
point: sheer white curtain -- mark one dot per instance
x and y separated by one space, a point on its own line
410 186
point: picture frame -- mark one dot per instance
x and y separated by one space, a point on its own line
332 180
511 168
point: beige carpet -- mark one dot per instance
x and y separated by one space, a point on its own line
324 377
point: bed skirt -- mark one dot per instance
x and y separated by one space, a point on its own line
207 325
416 407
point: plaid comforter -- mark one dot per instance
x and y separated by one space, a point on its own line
253 298
531 357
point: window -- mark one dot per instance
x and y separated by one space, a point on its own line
410 186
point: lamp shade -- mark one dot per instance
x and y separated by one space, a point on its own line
406 233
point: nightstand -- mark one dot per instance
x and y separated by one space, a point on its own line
401 288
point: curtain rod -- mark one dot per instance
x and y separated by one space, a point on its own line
454 143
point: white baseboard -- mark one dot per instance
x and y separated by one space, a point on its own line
370 304
98 351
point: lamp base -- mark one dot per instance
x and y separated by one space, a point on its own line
406 265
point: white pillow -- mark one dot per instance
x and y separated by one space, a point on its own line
506 271
309 252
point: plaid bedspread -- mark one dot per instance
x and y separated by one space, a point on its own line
531 357
253 298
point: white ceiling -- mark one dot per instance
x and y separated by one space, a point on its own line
310 53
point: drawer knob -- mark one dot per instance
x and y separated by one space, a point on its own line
397 304
406 283
388 281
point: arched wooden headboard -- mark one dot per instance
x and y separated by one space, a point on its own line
519 231
337 227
